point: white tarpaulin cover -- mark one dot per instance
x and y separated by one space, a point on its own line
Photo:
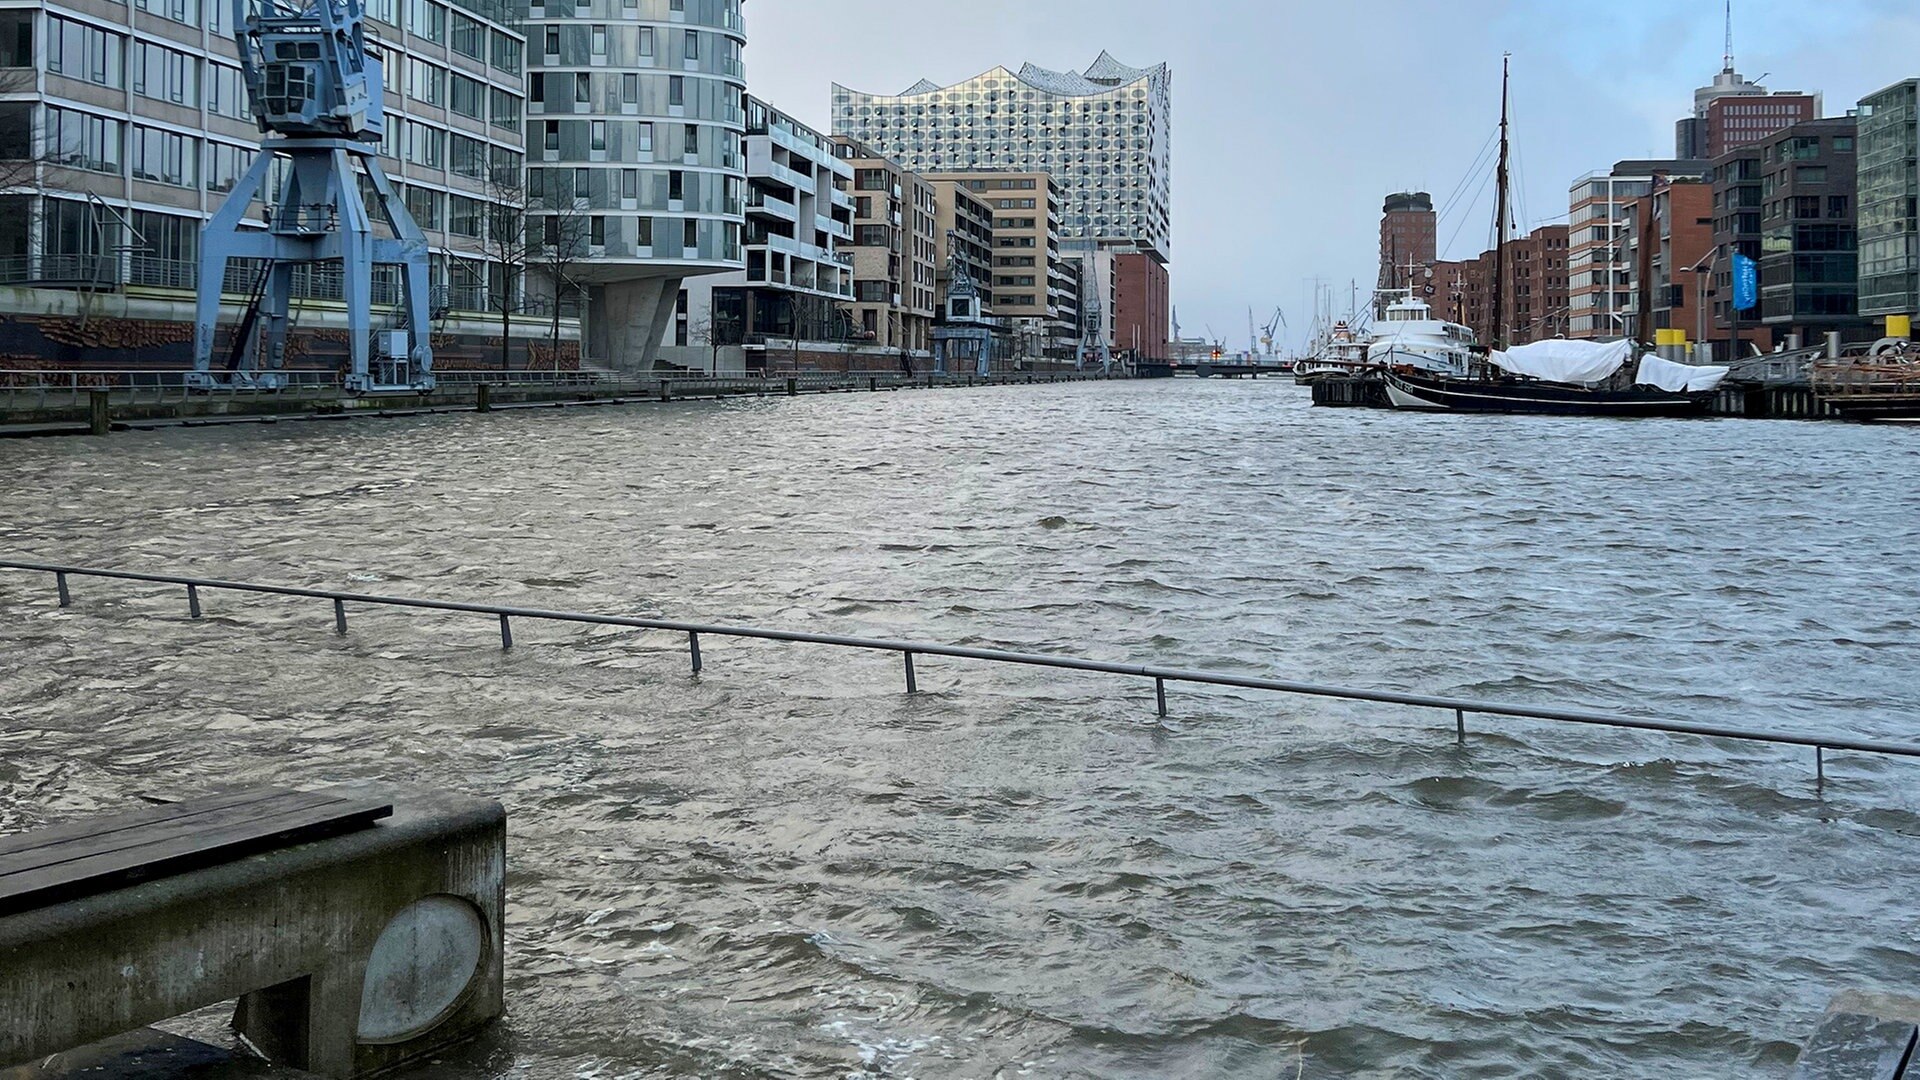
1677 378
1564 361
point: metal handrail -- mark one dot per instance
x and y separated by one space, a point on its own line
909 649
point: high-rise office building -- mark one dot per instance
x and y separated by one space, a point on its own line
1104 135
1599 286
636 117
1889 188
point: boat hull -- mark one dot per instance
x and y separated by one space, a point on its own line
1428 394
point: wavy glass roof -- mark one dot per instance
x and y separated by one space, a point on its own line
1102 77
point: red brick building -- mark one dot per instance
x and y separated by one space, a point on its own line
1733 122
1142 306
1408 234
1536 289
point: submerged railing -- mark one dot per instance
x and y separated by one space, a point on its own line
1161 676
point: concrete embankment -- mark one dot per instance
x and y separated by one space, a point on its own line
29 411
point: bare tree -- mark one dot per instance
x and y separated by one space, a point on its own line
507 249
557 242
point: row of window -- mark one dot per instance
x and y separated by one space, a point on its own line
457 30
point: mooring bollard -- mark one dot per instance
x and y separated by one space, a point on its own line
340 617
483 398
693 650
793 387
98 418
666 389
873 384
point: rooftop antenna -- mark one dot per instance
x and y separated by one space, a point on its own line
1728 58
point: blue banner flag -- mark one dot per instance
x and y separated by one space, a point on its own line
1746 283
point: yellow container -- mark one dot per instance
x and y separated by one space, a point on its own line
1669 337
1900 326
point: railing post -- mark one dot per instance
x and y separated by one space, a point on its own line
506 632
193 601
912 686
1820 766
693 650
340 617
1460 726
793 386
60 583
1160 695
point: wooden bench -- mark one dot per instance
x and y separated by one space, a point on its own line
358 926
64 862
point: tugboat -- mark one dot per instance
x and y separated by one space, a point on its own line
1410 338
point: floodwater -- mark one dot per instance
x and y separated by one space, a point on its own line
785 867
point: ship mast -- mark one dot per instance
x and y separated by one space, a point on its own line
1498 339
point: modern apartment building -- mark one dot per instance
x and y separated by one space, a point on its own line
1033 284
1599 292
1889 189
637 112
125 124
963 228
797 282
1104 135
895 251
1738 205
1408 237
1810 261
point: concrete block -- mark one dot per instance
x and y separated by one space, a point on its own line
349 955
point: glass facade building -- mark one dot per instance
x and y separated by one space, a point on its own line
1104 135
636 115
124 128
1889 188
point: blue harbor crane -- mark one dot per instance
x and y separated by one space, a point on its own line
315 91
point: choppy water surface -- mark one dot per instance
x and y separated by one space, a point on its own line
786 868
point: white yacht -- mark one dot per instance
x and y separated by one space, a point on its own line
1410 337
1340 351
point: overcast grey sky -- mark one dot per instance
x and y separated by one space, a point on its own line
1292 119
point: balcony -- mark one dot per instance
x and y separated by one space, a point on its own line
801 182
759 202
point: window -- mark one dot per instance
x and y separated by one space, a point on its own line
506 53
165 157
690 235
693 45
468 97
426 83
676 186
599 39
225 164
469 157
550 138
646 41
692 145
553 41
425 145
1810 174
630 88
599 135
503 109
227 93
646 232
582 88
581 178
676 90
424 205
427 19
469 37
82 141
506 165
646 140
597 231
1836 206
630 184
180 11
463 216
79 51
16 39
1843 143
165 75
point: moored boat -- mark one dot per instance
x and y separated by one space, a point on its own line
1439 393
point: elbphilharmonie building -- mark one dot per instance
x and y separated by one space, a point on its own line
1104 134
